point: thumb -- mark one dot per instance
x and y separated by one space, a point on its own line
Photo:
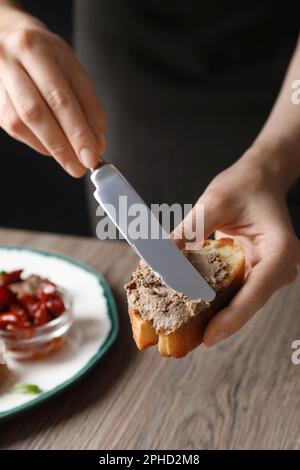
215 210
210 209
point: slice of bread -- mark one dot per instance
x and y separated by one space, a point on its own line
187 333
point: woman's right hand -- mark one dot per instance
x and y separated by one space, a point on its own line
47 100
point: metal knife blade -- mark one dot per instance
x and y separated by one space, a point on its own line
159 253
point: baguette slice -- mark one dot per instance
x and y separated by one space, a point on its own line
188 336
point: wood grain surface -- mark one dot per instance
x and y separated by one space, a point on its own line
242 394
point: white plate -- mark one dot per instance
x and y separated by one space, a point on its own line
94 330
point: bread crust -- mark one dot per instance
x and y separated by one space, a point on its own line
186 338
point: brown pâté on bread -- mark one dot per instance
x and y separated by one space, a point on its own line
161 316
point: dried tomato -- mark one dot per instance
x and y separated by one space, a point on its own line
10 278
41 315
55 306
28 310
6 297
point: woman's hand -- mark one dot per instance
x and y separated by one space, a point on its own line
46 99
247 203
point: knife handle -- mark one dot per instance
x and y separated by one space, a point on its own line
99 164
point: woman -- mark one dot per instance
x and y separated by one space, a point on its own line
172 83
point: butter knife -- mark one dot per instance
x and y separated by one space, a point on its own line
160 253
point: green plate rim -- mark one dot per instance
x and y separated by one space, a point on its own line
112 312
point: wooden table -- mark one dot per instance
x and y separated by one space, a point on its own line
242 394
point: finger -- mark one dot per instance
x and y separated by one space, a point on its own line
292 275
13 125
267 276
180 233
35 113
58 95
218 211
88 100
208 214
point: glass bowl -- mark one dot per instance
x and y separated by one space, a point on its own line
38 341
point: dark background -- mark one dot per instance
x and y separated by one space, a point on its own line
37 194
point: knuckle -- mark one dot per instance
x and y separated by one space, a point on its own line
2 53
57 150
77 133
30 112
56 98
14 126
22 39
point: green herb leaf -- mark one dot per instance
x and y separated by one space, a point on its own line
26 388
1 273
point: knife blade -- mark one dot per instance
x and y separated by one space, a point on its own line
160 253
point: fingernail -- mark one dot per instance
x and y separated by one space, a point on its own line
74 168
220 336
87 157
102 142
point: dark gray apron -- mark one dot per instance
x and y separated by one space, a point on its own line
186 85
